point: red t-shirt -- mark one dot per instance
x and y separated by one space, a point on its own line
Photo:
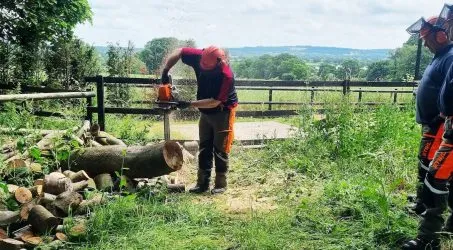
217 83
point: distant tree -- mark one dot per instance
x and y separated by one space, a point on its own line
326 72
348 69
403 60
379 71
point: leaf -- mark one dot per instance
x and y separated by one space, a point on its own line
123 181
35 152
4 187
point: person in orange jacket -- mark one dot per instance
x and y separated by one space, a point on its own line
217 101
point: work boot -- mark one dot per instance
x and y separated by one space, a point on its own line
420 244
220 184
202 186
417 207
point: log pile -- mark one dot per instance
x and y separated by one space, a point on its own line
97 167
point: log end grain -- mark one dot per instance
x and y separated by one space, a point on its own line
173 155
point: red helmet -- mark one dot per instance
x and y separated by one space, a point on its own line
210 57
428 27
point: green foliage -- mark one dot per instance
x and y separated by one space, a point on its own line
157 49
403 60
378 71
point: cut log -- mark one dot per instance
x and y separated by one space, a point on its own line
67 202
76 177
36 191
83 129
61 236
36 167
91 184
47 199
104 138
8 217
11 244
78 186
33 241
79 229
142 161
176 188
3 234
87 205
12 188
38 182
15 162
94 144
8 155
25 210
23 195
56 183
104 182
48 141
41 220
59 229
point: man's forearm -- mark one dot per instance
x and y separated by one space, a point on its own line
205 103
172 59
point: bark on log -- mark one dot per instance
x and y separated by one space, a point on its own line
86 205
91 184
176 188
38 182
67 202
76 177
104 138
11 244
23 195
104 182
15 162
8 217
41 220
47 199
23 233
56 183
142 161
85 127
94 144
79 185
47 142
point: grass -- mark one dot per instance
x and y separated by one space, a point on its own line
342 184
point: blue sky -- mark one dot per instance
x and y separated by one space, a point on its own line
237 23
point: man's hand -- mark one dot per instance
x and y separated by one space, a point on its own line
164 79
183 104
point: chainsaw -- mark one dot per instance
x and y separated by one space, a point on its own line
166 97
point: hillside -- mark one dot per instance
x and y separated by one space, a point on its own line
306 52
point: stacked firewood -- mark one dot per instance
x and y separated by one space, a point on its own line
99 167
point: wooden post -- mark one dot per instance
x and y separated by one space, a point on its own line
395 96
100 96
89 116
270 100
346 87
360 95
312 95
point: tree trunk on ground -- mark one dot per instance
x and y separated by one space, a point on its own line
142 161
23 195
79 185
86 205
42 220
47 198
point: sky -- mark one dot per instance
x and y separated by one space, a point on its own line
361 24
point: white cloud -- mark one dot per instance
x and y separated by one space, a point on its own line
235 23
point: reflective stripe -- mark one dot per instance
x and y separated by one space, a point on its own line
436 191
201 150
223 159
423 166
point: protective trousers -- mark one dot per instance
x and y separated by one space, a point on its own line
435 191
429 144
216 137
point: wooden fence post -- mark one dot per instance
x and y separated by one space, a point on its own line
100 96
395 96
360 95
270 100
89 116
346 87
312 95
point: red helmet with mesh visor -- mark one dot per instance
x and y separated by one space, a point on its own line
446 15
423 27
210 57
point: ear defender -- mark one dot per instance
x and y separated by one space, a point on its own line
441 37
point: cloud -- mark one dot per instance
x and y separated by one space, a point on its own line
235 23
